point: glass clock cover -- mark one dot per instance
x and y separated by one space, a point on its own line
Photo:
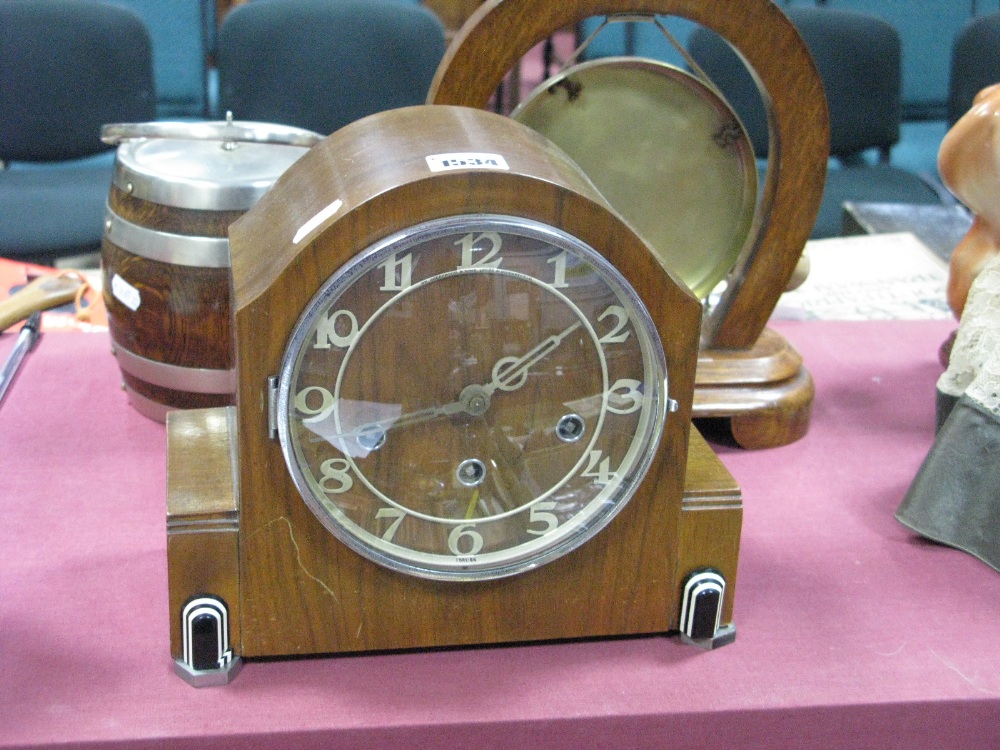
472 397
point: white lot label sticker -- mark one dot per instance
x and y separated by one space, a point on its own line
445 162
125 293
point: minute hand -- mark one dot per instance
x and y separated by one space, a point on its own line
510 373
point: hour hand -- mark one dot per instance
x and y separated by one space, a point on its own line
510 373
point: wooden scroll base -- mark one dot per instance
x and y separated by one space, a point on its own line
209 624
764 392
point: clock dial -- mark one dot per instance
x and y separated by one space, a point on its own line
471 398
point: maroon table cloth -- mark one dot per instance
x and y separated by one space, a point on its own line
851 631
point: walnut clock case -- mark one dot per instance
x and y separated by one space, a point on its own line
463 415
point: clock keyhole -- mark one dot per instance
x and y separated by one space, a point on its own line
570 428
471 472
372 438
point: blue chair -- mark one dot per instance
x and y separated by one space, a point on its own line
321 64
67 67
975 63
183 35
859 60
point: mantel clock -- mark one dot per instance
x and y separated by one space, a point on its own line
463 414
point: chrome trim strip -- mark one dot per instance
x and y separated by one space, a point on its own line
147 407
165 247
272 407
189 379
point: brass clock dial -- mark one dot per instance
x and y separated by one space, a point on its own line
471 397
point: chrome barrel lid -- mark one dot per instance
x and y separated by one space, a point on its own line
220 130
212 166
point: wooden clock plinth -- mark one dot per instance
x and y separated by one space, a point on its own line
203 530
764 392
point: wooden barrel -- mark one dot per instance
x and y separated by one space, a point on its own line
165 252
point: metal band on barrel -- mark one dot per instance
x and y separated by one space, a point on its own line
188 193
188 379
153 244
147 407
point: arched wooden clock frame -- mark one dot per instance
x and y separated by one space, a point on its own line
746 372
239 532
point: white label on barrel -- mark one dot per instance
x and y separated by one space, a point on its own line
125 293
316 220
446 162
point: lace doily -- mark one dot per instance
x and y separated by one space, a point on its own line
974 364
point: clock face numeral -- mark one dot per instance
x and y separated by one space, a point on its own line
558 262
313 401
338 329
335 476
465 540
541 512
468 402
617 334
397 517
625 396
398 272
486 245
599 469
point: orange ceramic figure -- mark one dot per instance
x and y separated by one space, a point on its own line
969 163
